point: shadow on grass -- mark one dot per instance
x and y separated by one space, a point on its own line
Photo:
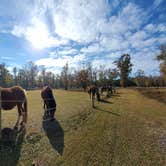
103 97
116 95
102 110
10 146
105 101
55 134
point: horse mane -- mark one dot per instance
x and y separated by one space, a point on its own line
25 92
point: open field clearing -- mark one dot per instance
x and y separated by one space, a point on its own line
128 129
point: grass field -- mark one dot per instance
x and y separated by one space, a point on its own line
154 93
128 129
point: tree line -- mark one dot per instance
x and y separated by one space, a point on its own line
31 76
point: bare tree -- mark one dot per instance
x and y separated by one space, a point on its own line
82 78
125 67
64 76
5 76
112 74
140 78
162 57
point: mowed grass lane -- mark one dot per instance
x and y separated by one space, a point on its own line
129 129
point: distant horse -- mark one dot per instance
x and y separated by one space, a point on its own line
49 101
15 96
109 89
92 91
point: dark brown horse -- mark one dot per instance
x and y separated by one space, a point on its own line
49 101
15 96
92 91
109 89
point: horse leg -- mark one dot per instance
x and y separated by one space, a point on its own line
52 112
23 122
93 98
102 94
89 94
19 116
114 91
25 118
22 113
108 93
93 102
98 96
23 108
47 108
44 107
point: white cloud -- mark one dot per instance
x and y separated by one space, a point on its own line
52 62
137 40
161 39
37 34
59 62
107 63
156 3
139 35
77 20
8 58
114 43
161 28
94 48
146 61
94 25
68 51
117 32
69 19
129 18
153 28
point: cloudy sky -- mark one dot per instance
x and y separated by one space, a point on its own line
54 32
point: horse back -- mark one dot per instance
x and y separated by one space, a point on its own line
10 97
48 97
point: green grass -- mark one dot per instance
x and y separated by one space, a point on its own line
127 130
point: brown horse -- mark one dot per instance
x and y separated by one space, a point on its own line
49 101
109 89
92 91
15 96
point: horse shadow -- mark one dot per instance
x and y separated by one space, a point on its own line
105 101
116 95
10 146
55 134
109 112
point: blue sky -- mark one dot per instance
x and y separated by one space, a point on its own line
54 32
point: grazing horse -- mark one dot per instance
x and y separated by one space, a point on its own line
15 96
109 89
92 91
49 101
